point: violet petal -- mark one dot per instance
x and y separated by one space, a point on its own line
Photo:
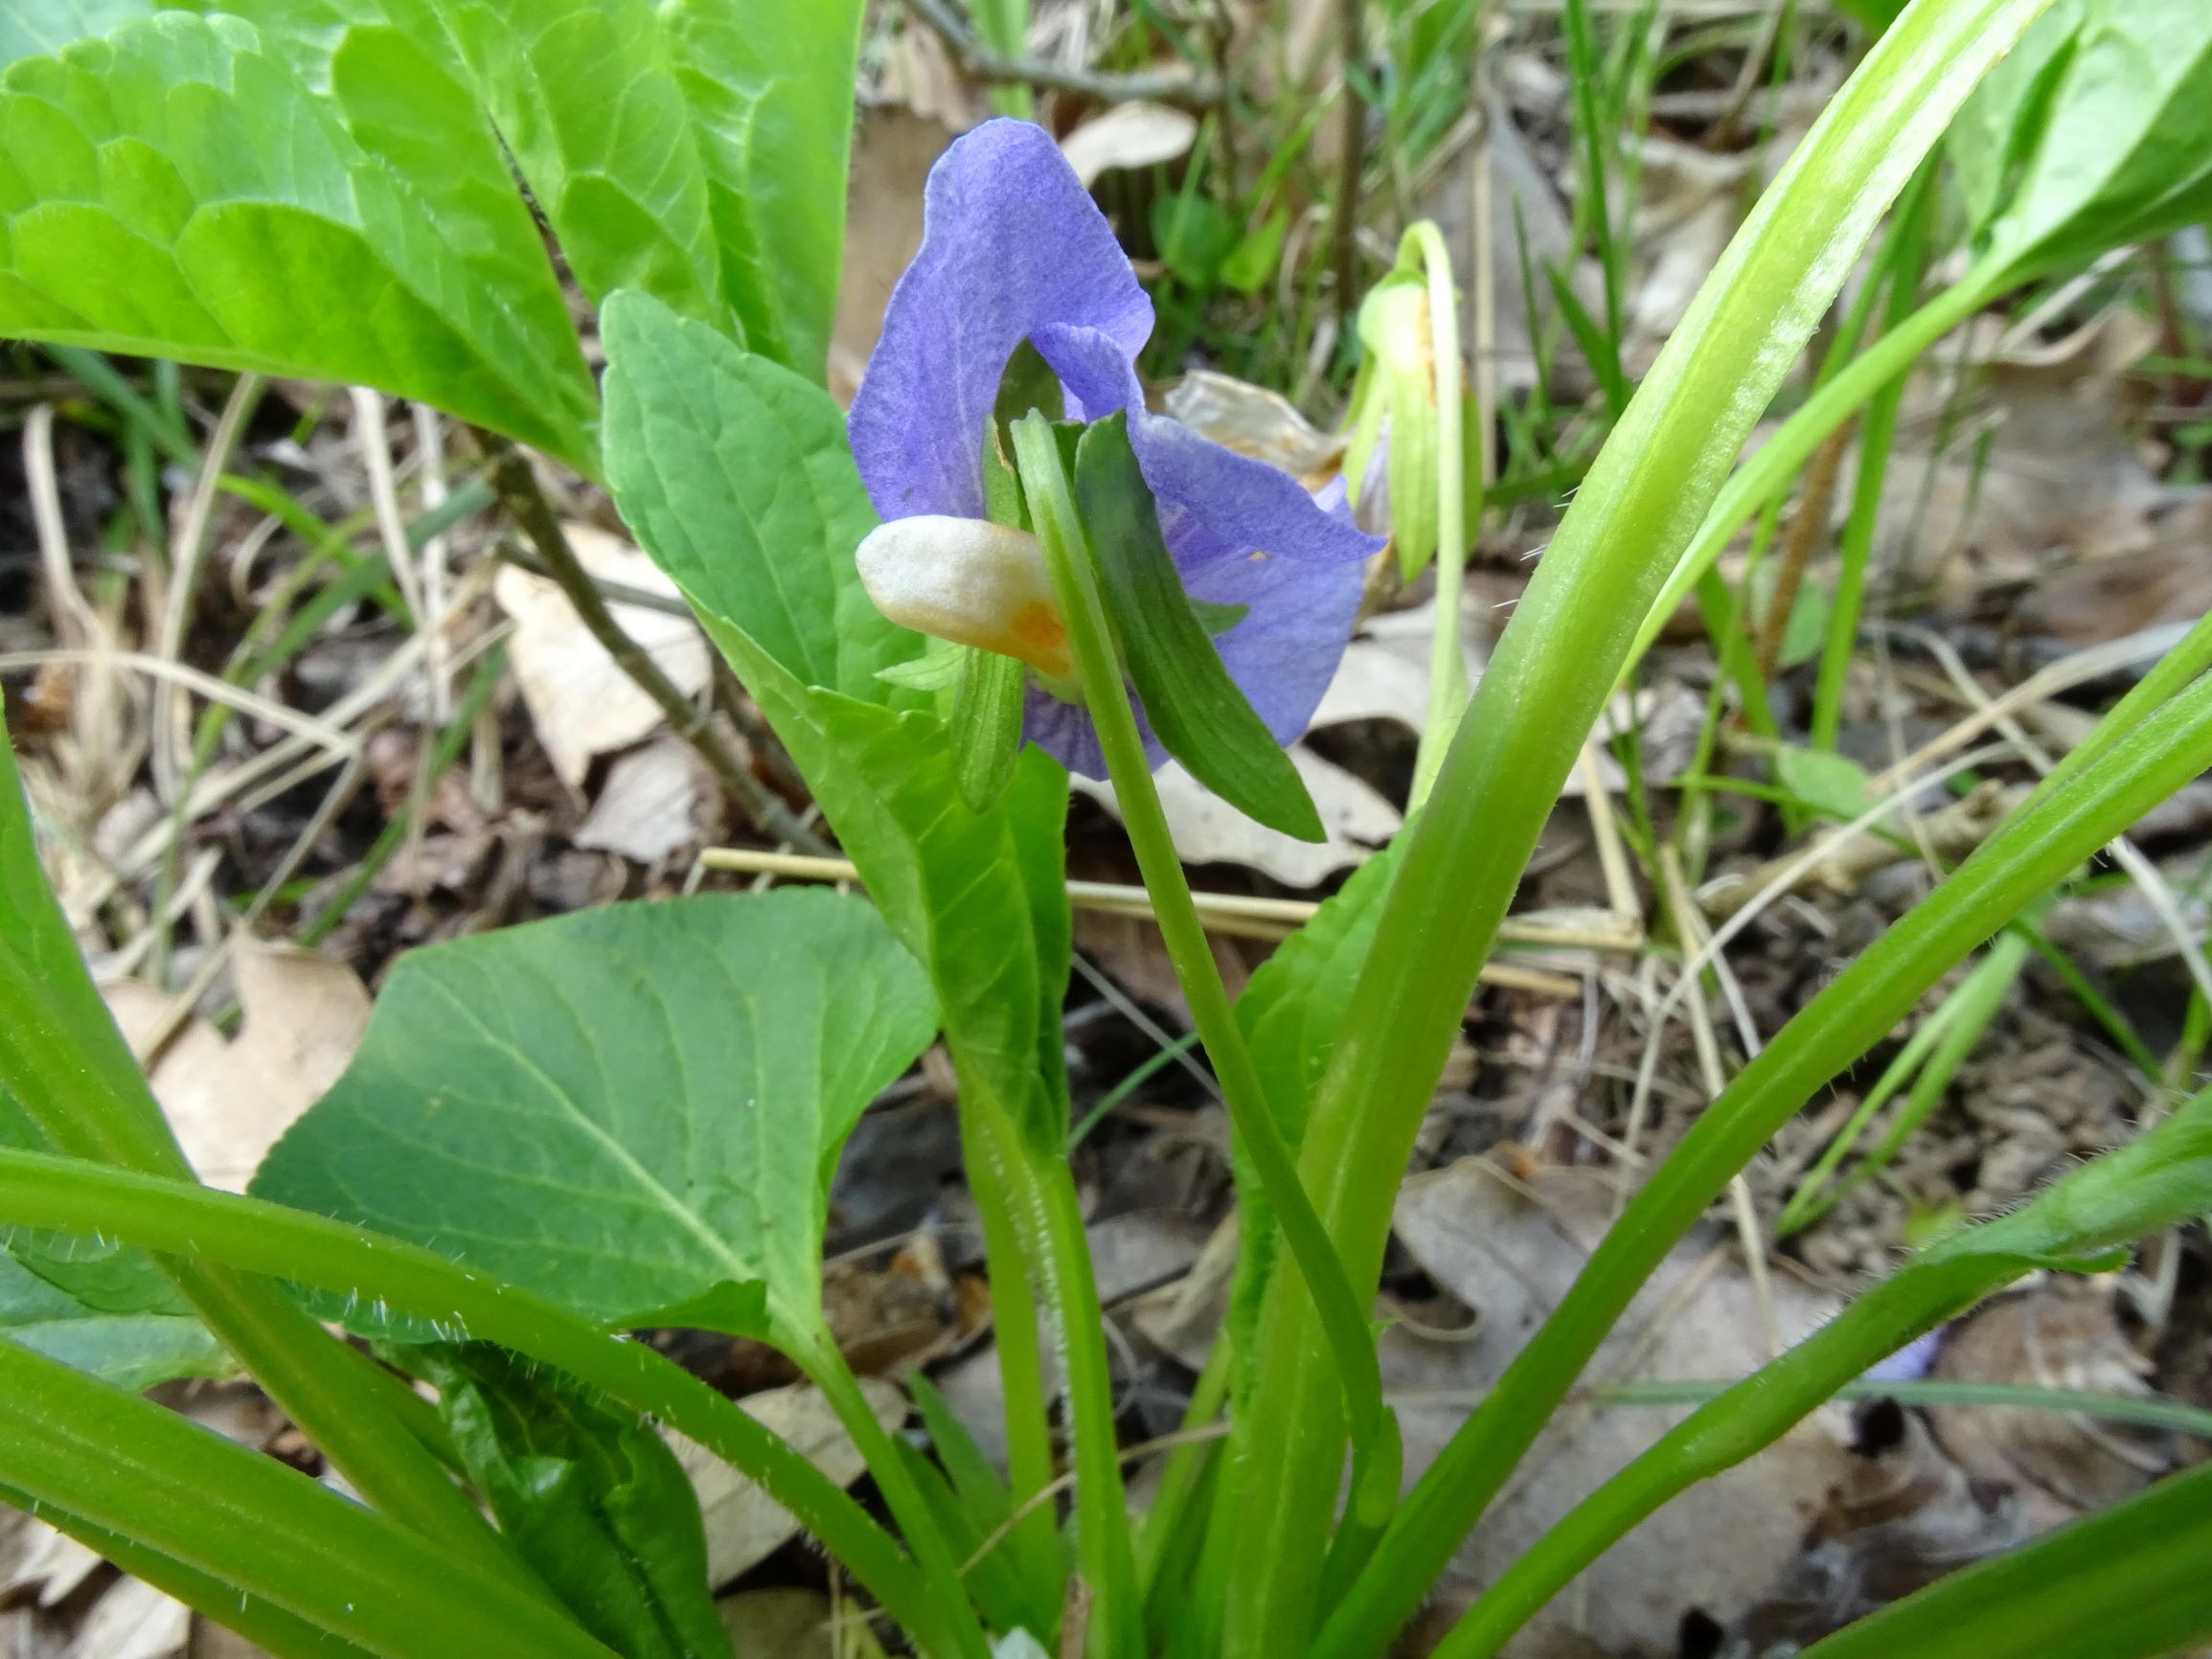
1010 243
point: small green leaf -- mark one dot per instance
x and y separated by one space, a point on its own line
1832 785
984 725
587 1494
691 419
1028 383
177 188
1254 259
624 1108
1194 237
1193 706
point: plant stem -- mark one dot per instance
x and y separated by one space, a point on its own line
1797 550
179 1218
254 1529
1098 664
1351 166
517 487
1029 1461
1447 664
826 1368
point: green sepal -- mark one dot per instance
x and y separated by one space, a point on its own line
984 725
1197 711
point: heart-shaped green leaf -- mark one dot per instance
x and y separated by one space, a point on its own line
625 1110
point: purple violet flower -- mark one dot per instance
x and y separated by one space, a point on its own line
1014 248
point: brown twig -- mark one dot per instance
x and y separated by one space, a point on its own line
518 493
996 69
1797 552
1352 140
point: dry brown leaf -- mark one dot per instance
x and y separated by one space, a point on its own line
659 800
2061 1334
581 702
790 1624
1133 134
38 1562
893 150
211 1640
1508 1250
745 1525
133 1619
229 1099
1255 422
1208 830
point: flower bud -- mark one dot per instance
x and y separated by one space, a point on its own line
970 581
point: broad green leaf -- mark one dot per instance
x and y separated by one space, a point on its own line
584 91
769 86
2098 133
626 1109
176 190
104 1309
41 28
997 949
131 1350
588 1494
736 476
1195 709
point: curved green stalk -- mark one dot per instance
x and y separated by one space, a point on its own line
2034 850
1376 1456
2155 1182
826 1368
181 1218
254 1527
1768 472
1559 659
1035 1543
1446 663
